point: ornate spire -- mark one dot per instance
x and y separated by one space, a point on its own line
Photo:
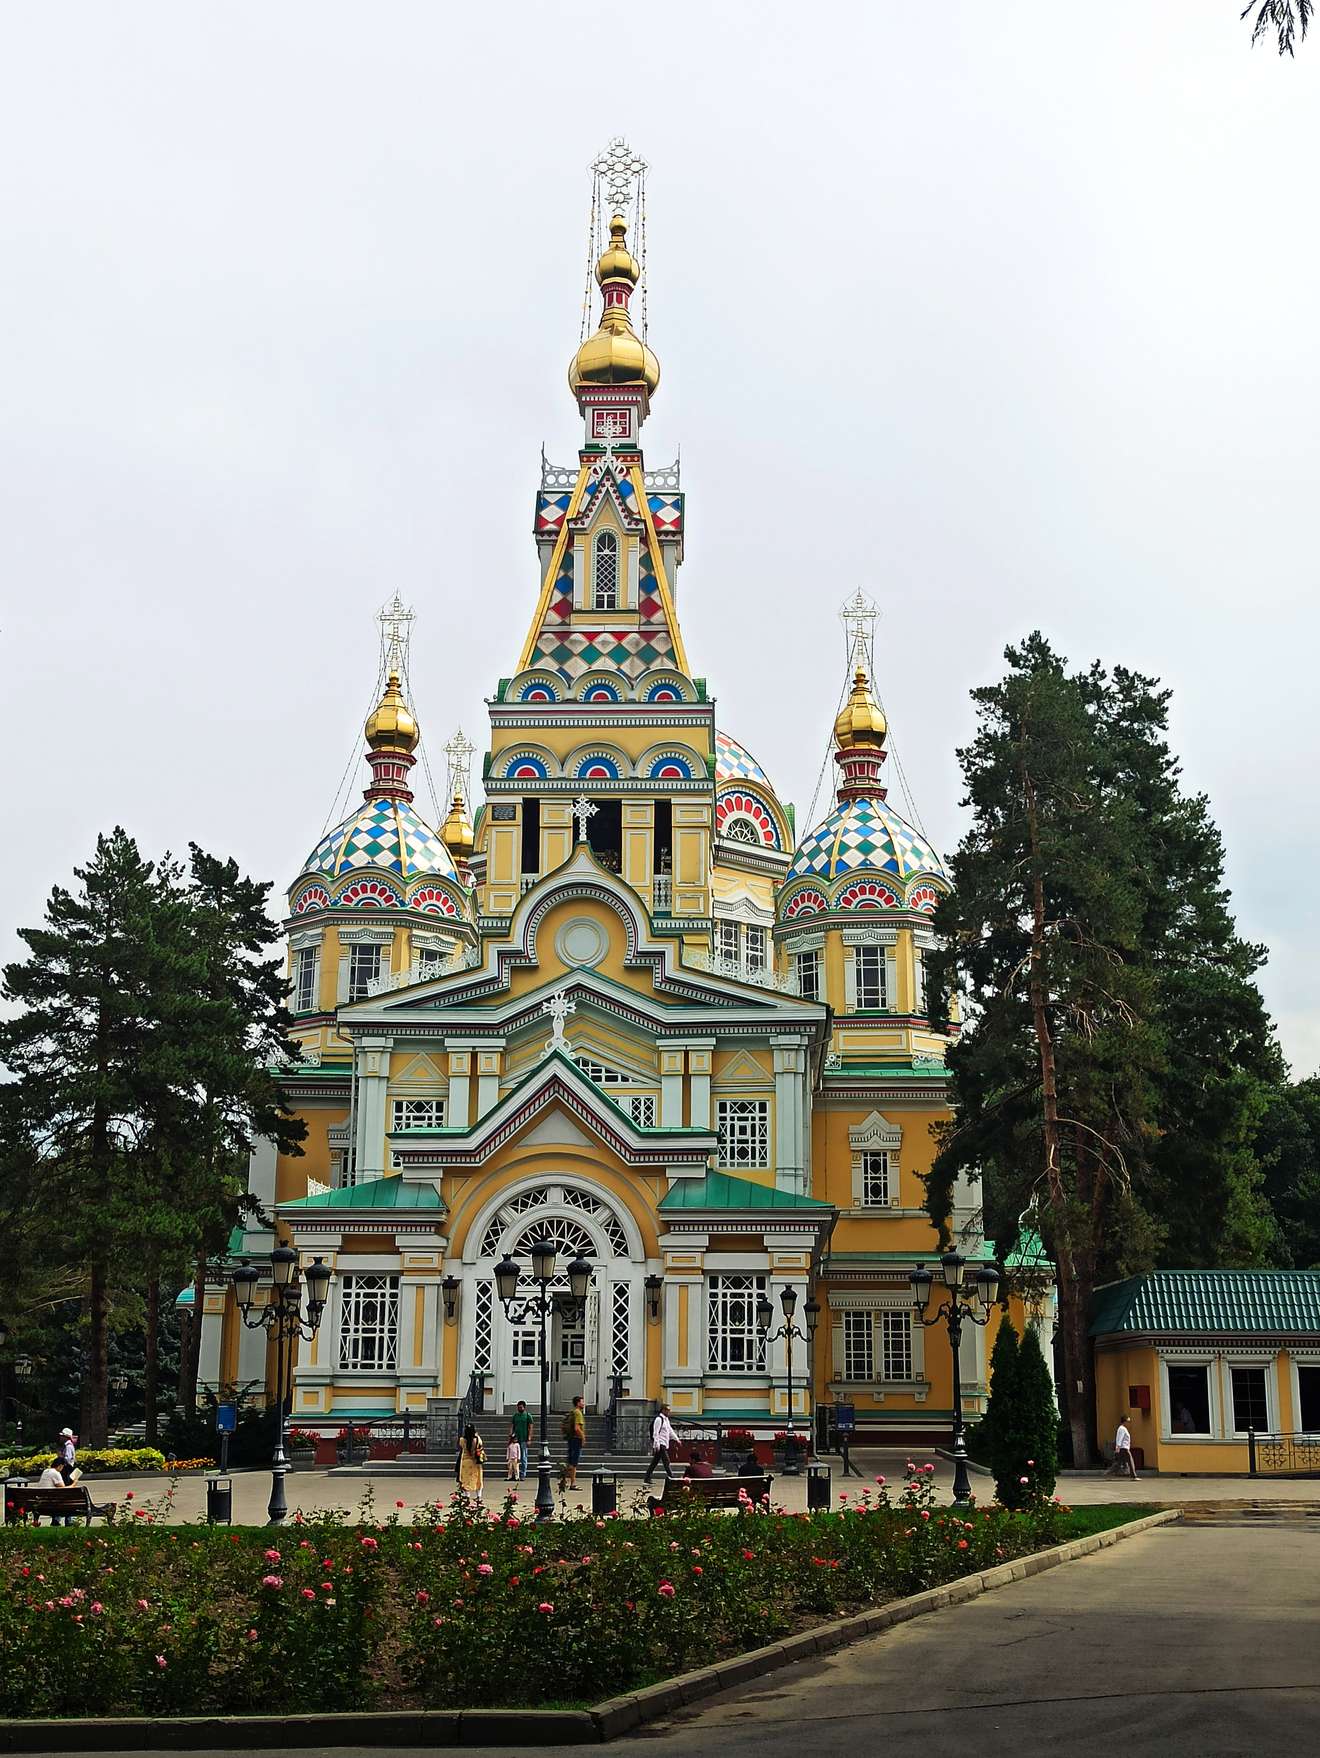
616 355
859 730
391 730
456 832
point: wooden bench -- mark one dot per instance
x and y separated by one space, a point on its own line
21 1502
681 1493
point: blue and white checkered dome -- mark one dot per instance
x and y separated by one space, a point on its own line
734 762
864 836
381 836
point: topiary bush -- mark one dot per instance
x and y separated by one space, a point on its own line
1022 1420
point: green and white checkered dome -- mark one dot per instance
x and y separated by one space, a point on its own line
381 836
864 836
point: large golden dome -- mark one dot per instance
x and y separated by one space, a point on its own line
391 726
862 721
615 354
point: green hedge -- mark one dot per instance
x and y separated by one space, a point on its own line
460 1608
91 1460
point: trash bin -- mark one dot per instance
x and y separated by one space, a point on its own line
819 1493
604 1492
219 1500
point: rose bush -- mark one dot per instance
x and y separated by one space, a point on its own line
461 1607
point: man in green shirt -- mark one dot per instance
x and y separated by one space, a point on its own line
522 1433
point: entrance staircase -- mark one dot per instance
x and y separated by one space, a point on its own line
493 1427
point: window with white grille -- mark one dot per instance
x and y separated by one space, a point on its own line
733 1342
808 975
363 969
744 1131
606 583
526 1342
641 1108
755 943
482 1326
870 971
895 1346
742 830
305 962
875 1178
858 1346
431 960
600 1074
418 1114
369 1324
919 982
727 941
619 1328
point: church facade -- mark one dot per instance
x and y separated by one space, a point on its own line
630 1009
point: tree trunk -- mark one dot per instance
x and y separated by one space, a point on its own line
151 1360
93 1421
1073 1299
191 1356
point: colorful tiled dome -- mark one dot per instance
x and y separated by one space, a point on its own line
384 835
734 763
864 835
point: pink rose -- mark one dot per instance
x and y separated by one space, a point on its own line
545 1606
160 1660
370 1544
97 1608
665 1590
307 1593
423 1597
485 1568
274 1581
272 1556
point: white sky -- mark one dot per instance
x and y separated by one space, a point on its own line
1003 312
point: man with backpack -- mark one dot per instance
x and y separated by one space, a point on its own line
662 1438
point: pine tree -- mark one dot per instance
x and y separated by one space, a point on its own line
1003 1375
1038 1418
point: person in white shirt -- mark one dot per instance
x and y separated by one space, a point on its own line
1124 1464
53 1478
662 1438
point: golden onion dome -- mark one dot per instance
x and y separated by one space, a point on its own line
615 354
391 726
456 832
862 720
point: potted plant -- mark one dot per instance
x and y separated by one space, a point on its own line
799 1441
738 1443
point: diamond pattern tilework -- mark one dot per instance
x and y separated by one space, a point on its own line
386 835
550 511
863 835
666 511
630 651
733 763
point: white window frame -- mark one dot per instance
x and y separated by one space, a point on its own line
857 1339
605 594
871 967
360 987
897 1365
723 1290
1211 1366
306 978
872 1176
744 1134
406 1114
754 947
728 940
804 962
356 1291
641 1107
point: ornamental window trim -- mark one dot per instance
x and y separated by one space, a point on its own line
605 573
734 1342
743 1126
368 1323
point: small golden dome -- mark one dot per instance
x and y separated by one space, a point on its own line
456 832
862 721
615 354
391 726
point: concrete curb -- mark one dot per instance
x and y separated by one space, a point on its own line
531 1727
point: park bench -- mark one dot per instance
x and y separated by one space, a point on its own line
20 1502
680 1493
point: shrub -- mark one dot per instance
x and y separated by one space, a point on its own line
1022 1420
92 1460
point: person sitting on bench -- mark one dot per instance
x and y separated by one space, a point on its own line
53 1478
698 1465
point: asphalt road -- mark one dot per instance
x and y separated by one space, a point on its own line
1187 1642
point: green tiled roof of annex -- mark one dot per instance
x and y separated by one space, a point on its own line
1207 1301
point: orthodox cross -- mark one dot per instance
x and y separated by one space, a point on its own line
858 615
458 755
395 621
617 170
582 811
558 1007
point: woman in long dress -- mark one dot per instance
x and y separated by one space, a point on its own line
471 1478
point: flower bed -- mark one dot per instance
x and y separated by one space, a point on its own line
91 1461
461 1608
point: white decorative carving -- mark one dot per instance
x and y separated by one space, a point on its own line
583 812
558 1007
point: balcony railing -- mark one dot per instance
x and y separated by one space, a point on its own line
1283 1455
662 894
741 971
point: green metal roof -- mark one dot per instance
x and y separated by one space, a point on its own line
1202 1301
1029 1253
718 1191
390 1192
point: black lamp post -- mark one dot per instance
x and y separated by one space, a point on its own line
22 1371
539 1305
283 1318
654 1286
972 1293
765 1312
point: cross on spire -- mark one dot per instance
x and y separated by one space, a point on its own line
458 757
395 622
618 171
558 1007
583 810
859 615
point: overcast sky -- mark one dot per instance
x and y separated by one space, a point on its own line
1002 312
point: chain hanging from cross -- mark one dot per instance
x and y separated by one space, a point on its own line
583 811
618 186
859 615
558 1008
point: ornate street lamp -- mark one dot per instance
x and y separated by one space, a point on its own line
653 1286
538 1305
283 1317
765 1312
970 1296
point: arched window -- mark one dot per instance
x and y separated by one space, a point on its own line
605 595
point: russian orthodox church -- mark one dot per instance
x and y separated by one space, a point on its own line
628 1009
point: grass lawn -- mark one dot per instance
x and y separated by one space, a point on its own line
1082 1522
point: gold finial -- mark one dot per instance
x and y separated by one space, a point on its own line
456 832
862 721
391 727
616 354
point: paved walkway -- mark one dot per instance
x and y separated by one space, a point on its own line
1184 1642
319 1490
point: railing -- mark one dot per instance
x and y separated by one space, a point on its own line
612 1408
662 894
386 1439
422 970
697 958
1283 1455
526 882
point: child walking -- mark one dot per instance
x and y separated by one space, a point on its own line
512 1459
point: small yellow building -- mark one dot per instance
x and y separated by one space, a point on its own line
629 1009
1196 1358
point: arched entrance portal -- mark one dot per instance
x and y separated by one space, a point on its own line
587 1345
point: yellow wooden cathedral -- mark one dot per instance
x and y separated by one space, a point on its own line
629 1010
